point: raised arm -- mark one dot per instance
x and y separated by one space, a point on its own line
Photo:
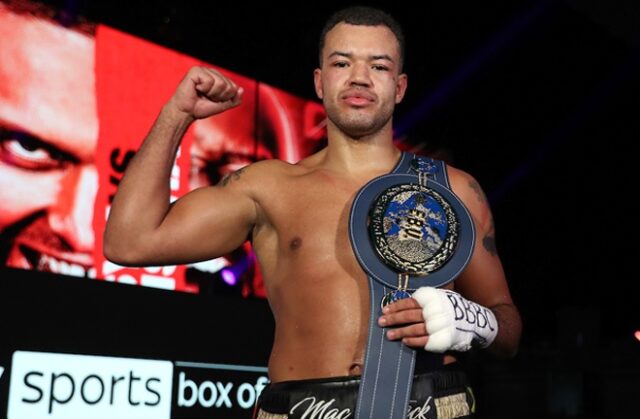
143 228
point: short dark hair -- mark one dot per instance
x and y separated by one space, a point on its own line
363 16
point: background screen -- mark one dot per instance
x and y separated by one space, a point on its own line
75 105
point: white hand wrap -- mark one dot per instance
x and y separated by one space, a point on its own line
453 322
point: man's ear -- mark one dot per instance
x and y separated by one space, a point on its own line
401 87
317 82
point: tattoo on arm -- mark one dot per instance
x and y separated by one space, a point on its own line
232 176
489 241
479 192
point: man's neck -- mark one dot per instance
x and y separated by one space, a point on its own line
375 153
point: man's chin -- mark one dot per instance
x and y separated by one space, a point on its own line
25 257
359 128
360 133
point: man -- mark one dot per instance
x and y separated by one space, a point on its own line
296 216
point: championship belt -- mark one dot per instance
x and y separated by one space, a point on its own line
407 230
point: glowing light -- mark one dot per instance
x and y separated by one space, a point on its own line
229 277
637 335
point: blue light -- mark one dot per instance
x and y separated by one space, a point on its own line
229 277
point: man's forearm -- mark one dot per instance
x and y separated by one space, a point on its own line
507 340
142 199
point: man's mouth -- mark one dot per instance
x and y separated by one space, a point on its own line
357 101
34 246
358 97
26 257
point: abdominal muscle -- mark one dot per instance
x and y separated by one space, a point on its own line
316 288
321 320
322 323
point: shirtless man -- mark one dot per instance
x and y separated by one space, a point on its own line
296 216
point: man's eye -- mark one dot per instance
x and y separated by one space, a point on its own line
232 163
218 169
29 153
380 68
226 169
340 64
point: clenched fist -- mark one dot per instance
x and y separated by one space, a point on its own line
205 92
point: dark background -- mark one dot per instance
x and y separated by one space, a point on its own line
539 100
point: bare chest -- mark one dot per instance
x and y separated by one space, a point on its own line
306 223
310 213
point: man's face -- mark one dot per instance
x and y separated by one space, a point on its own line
360 80
48 134
222 145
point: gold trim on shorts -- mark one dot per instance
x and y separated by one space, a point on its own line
266 415
453 406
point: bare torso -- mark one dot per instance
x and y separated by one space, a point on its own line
316 288
296 215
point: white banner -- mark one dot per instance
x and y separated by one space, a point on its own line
62 386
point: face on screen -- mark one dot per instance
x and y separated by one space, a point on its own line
221 146
48 134
234 139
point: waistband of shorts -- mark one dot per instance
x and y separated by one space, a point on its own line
447 380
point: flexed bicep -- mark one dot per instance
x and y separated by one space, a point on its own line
204 224
142 228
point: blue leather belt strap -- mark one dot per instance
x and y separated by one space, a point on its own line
388 365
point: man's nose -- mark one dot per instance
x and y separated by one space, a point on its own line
360 74
71 216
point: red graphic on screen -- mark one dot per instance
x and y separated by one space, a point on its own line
69 128
48 134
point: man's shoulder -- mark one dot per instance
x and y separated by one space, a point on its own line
271 168
263 173
276 171
281 167
459 178
467 188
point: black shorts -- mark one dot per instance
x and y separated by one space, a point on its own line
441 394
